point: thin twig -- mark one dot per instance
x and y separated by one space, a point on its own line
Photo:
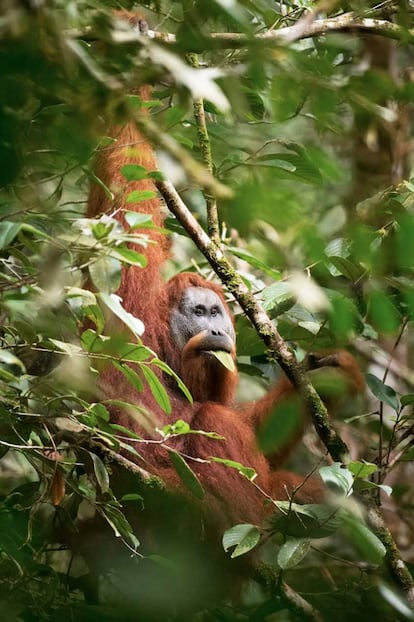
196 171
205 149
117 458
266 576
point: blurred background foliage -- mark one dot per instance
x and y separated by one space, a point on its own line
315 139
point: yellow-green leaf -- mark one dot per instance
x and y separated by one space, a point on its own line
224 358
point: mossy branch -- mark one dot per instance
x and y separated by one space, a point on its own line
294 370
213 227
398 571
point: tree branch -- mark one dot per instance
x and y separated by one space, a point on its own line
205 148
396 567
266 576
309 27
304 30
112 456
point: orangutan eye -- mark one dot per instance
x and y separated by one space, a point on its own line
214 311
200 310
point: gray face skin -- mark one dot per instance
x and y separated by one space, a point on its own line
201 310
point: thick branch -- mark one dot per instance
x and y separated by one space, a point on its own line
302 30
264 326
399 572
347 21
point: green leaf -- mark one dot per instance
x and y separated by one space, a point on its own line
131 497
7 376
187 476
131 375
91 341
382 392
244 537
278 298
282 424
256 104
298 165
9 358
124 351
8 231
213 435
275 160
69 348
292 552
140 195
254 261
134 172
125 406
101 230
157 389
96 180
366 484
232 464
35 439
128 448
87 298
94 314
100 412
224 358
105 273
137 103
344 318
177 428
396 600
113 302
407 400
129 256
362 469
383 315
368 544
337 477
156 175
120 428
101 473
119 524
136 220
306 521
344 266
174 115
166 369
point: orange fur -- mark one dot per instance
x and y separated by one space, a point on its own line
230 497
